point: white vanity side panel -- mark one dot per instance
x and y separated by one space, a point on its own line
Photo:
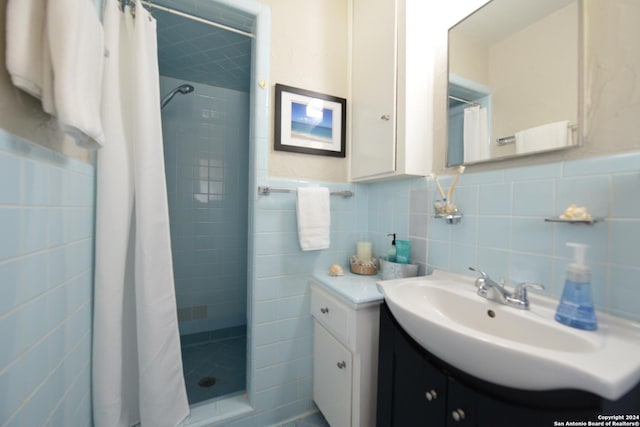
365 377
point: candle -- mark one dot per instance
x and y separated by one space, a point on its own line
364 251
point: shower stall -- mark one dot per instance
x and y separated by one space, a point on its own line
205 70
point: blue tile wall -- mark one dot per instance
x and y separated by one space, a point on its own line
206 140
503 230
395 207
46 281
282 365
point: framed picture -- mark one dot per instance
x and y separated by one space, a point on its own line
309 122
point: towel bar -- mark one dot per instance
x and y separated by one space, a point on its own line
265 191
512 139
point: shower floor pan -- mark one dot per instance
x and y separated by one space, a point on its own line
214 368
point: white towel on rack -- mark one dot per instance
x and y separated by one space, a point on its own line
314 218
546 137
476 134
76 46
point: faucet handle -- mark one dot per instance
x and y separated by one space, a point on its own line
482 280
520 291
482 273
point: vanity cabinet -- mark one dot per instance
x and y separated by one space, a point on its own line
416 388
345 350
332 377
392 86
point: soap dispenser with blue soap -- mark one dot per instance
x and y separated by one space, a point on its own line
576 304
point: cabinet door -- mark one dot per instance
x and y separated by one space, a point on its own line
419 390
332 370
461 405
386 369
373 104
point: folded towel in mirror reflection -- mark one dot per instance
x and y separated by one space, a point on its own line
476 134
545 137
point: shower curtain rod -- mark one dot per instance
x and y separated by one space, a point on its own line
197 19
455 98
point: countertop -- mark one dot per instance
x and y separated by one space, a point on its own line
355 289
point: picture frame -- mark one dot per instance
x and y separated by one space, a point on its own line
309 122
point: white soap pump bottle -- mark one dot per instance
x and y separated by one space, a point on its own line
576 304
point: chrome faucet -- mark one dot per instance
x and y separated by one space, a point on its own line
494 291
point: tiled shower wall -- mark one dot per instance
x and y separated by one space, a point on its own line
206 140
504 232
46 276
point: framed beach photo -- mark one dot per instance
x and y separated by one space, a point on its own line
309 122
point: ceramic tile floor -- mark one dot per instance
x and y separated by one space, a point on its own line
223 359
314 420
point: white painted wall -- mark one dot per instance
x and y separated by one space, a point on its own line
309 50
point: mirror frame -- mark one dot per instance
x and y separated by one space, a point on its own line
581 107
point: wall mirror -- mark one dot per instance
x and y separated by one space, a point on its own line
515 83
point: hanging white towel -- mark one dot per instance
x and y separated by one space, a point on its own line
314 218
25 59
546 137
55 53
76 46
476 134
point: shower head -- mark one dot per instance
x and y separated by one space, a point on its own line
183 89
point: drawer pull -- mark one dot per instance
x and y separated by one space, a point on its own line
458 415
385 117
342 365
431 395
324 310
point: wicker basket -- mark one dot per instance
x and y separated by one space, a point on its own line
365 270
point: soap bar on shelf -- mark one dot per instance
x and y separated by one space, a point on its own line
576 213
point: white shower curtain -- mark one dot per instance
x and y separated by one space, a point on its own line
137 365
475 134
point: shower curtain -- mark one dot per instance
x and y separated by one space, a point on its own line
475 134
137 365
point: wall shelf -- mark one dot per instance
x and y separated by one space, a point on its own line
574 221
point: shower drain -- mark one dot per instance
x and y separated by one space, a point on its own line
207 381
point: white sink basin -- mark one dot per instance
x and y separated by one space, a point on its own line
525 349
